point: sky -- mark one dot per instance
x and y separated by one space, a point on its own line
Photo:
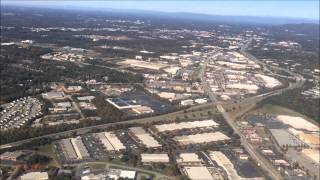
308 9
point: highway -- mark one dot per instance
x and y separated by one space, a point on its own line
262 162
85 130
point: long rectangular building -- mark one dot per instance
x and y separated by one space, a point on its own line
226 164
110 141
283 137
68 150
141 136
80 149
198 173
154 158
201 138
186 125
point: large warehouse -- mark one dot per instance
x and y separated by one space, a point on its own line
154 158
186 125
201 138
198 173
110 141
141 136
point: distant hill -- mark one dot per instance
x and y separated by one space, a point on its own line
253 20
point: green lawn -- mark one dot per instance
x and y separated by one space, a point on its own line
96 166
50 151
279 110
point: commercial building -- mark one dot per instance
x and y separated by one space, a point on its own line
201 100
122 104
74 149
66 104
68 150
201 138
143 110
225 164
284 138
198 173
189 159
154 158
110 141
53 95
142 137
11 156
119 173
85 98
35 176
80 149
186 125
187 102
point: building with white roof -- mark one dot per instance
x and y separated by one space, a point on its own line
226 164
189 159
53 95
66 104
110 141
154 158
186 125
119 173
68 149
79 148
187 102
198 173
201 138
141 136
35 176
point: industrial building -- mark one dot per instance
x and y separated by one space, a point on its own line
79 148
74 149
198 173
225 164
283 138
35 176
186 125
154 158
142 137
189 159
53 95
129 104
110 141
201 138
11 156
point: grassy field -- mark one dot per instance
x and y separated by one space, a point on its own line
279 110
50 151
97 166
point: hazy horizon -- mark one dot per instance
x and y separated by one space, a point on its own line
272 9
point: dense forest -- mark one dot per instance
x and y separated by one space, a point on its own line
24 73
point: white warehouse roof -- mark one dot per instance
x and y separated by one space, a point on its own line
144 137
201 138
198 173
189 157
35 175
154 158
186 125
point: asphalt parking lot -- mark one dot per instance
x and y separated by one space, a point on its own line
94 147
